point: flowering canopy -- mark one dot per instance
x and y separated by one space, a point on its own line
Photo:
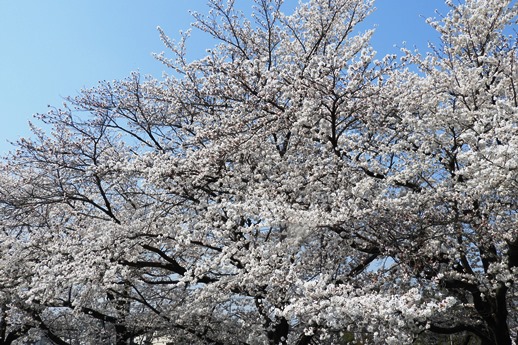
287 188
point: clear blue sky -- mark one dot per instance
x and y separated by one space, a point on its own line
53 48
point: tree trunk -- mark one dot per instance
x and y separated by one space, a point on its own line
497 318
279 335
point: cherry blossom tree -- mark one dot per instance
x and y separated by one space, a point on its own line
467 117
287 188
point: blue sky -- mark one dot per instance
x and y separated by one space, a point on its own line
52 49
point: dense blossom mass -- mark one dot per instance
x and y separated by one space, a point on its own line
287 188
